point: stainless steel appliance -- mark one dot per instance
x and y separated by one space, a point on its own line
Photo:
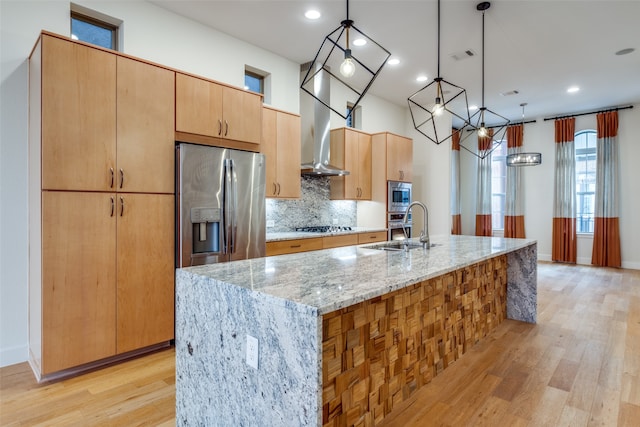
396 229
398 200
398 196
220 205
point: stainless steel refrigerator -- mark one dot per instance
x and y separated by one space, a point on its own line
220 205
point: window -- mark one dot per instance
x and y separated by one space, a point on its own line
253 82
354 120
351 119
498 185
93 30
585 143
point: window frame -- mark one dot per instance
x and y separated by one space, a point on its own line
498 157
96 22
254 75
590 154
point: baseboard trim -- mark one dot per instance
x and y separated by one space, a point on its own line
82 369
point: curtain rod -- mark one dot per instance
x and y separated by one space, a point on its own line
590 112
510 124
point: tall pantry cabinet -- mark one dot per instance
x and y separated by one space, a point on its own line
101 205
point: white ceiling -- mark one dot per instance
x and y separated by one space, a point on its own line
537 47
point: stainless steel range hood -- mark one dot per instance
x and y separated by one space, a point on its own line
317 125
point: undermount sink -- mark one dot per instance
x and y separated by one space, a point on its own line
396 245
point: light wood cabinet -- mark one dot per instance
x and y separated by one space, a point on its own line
326 242
145 270
294 245
351 150
218 111
78 279
101 270
339 240
145 128
78 116
281 147
107 121
372 237
399 158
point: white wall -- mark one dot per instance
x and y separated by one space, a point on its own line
539 184
150 33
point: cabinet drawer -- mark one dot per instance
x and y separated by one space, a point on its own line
376 236
293 246
337 241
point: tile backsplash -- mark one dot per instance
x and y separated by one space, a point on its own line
313 208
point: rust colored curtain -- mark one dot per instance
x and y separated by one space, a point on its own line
514 200
564 241
456 220
606 232
483 196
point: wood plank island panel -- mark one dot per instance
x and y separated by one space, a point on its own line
377 353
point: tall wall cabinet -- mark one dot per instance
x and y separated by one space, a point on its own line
281 147
101 214
351 150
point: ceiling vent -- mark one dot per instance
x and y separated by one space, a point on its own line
465 54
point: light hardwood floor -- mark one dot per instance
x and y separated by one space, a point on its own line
579 366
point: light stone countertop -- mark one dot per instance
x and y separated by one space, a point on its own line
291 235
320 282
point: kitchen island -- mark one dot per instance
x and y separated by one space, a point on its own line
343 334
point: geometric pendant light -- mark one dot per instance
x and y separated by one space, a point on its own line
435 101
484 118
348 67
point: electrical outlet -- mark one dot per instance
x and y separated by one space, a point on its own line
252 351
271 223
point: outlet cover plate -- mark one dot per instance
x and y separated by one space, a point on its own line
252 351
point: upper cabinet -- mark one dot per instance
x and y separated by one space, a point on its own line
213 110
145 128
351 150
399 155
78 116
107 121
281 147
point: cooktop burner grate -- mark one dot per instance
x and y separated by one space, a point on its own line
323 229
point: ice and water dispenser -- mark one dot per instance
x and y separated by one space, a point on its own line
206 229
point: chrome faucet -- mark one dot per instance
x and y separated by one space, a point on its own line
424 234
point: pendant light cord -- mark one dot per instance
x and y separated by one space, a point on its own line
438 38
482 59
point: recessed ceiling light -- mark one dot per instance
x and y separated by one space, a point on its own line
359 42
573 89
422 78
393 61
625 51
312 14
473 107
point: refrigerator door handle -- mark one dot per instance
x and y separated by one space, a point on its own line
231 204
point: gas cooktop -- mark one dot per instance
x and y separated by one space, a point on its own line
323 229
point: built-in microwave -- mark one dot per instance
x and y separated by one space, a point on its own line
398 196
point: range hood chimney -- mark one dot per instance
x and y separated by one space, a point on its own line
319 124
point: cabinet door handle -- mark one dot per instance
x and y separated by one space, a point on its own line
121 177
275 191
278 189
219 127
121 206
113 206
401 174
226 128
295 246
112 177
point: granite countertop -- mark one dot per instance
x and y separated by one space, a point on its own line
290 235
326 280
